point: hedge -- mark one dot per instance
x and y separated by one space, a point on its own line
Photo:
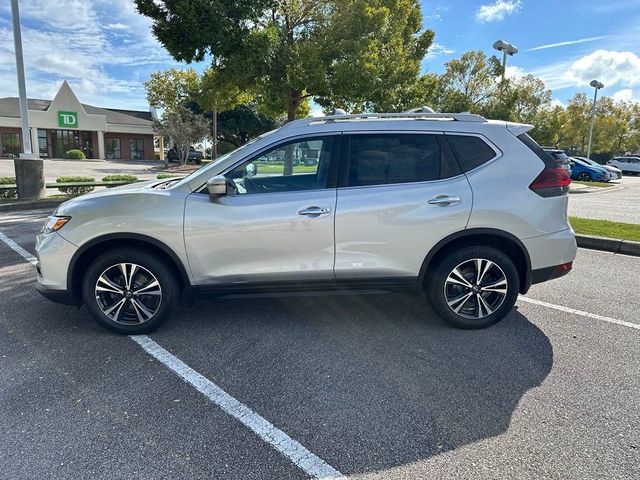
120 178
162 176
10 193
75 190
75 154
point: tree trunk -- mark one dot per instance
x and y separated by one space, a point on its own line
293 102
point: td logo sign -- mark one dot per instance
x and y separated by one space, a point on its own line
68 119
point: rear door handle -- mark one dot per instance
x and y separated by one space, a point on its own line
314 211
445 200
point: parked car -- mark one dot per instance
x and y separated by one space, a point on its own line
470 211
626 164
614 173
560 157
581 170
193 155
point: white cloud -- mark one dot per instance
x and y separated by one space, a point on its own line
95 57
437 50
497 10
514 72
625 95
557 103
609 67
568 42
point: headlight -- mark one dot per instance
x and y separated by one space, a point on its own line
54 224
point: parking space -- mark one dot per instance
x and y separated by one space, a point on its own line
375 386
618 203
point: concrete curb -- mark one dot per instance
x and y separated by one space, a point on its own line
33 205
626 247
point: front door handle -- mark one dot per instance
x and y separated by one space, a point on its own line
314 211
445 200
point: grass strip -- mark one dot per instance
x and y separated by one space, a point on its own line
606 228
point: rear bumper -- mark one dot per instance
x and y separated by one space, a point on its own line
58 296
549 273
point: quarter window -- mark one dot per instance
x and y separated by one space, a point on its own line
471 152
293 166
379 159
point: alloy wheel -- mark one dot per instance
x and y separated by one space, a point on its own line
128 294
476 288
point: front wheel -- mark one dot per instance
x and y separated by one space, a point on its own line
130 291
473 287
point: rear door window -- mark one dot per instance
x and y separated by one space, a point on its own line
382 159
470 151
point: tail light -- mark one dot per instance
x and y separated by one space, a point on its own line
552 182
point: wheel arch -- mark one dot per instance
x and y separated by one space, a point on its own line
81 259
505 241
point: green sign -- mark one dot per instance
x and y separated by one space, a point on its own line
68 119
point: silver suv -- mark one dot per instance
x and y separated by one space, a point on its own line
469 211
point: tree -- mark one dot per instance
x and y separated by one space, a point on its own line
184 128
171 89
469 82
365 52
239 125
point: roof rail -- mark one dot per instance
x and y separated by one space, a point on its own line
460 117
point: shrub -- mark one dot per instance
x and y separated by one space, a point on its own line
75 190
119 178
11 193
75 154
162 176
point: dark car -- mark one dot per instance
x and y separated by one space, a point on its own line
193 155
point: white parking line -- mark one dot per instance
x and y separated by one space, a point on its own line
579 312
283 443
18 249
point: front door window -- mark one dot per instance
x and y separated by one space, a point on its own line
293 166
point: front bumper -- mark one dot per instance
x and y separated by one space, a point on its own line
54 255
58 296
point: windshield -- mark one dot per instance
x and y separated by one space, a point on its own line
221 159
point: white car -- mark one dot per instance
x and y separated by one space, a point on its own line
470 211
626 164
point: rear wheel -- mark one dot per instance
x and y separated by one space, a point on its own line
585 177
473 287
130 291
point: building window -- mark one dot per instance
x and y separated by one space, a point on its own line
112 146
136 147
10 144
64 140
43 143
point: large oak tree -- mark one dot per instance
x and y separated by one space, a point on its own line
362 53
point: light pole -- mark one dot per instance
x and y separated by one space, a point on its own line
506 49
29 168
597 86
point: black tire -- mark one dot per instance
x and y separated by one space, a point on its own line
437 291
163 308
584 177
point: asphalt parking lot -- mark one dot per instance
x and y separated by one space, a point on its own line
618 203
371 386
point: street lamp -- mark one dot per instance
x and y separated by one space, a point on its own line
506 49
29 168
597 86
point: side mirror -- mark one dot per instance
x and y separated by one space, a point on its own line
251 169
217 186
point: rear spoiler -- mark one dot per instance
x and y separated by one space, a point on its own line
518 128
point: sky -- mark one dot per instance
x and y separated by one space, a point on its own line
106 50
